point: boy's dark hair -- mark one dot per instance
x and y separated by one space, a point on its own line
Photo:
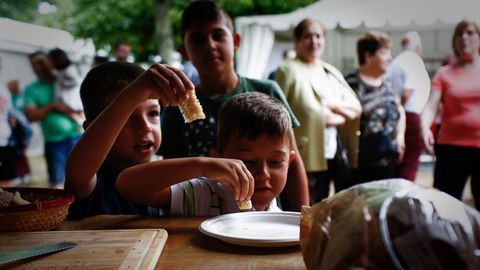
98 60
32 55
371 42
249 115
103 83
59 58
203 11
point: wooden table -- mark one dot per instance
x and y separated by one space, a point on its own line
188 248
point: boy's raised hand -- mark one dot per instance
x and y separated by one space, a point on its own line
233 174
165 83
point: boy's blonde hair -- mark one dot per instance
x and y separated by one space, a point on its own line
103 83
249 115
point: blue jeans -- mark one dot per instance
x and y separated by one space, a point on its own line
56 154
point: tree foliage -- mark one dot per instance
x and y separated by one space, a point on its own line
238 8
25 10
108 21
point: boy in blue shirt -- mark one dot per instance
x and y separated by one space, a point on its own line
210 43
253 128
122 133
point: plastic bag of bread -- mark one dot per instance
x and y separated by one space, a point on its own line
390 224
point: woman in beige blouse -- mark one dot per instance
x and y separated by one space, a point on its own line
325 106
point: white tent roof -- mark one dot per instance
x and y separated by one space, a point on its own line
259 32
349 14
20 36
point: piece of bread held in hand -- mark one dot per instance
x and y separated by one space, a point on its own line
245 206
191 109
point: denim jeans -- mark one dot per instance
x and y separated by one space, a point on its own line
56 154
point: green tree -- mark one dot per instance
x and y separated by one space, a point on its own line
238 8
163 30
150 26
109 21
25 10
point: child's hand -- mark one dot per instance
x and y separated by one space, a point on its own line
233 174
165 83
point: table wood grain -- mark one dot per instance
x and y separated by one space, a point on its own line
125 249
188 248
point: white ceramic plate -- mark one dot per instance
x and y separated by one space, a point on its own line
255 229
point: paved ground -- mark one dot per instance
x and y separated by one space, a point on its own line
424 176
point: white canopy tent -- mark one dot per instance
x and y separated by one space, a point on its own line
21 36
345 20
18 39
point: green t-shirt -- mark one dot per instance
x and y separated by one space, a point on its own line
197 138
56 126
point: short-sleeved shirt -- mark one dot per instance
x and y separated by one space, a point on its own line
197 138
461 106
203 197
56 127
67 87
105 199
407 71
380 114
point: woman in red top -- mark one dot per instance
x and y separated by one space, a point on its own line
457 88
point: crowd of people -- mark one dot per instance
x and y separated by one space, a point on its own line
286 139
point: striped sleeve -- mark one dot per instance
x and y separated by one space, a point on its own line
201 197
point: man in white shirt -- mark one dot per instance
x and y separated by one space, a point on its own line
411 81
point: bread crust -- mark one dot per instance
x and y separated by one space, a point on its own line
191 109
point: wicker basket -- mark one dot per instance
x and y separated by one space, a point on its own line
48 209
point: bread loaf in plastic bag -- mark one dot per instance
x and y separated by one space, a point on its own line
390 224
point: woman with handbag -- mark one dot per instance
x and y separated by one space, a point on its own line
382 124
326 107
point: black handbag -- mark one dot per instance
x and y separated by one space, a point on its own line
343 172
376 146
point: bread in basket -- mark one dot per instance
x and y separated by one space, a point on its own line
47 209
